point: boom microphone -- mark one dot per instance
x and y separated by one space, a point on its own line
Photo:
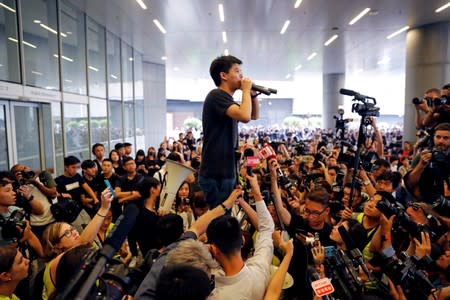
355 253
357 95
313 276
262 89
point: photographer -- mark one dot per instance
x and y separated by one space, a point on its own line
425 106
25 198
430 168
440 109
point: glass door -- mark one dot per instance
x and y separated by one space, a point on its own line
4 144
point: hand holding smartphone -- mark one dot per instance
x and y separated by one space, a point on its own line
109 186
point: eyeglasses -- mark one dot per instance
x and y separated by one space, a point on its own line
212 283
313 213
67 233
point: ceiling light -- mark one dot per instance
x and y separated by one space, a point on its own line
226 52
397 32
224 37
297 3
130 58
93 68
163 57
442 8
285 26
29 44
113 76
37 73
221 14
37 21
142 4
331 39
383 61
48 28
298 67
312 55
69 32
68 80
160 27
63 34
288 76
13 40
64 57
359 16
7 7
176 69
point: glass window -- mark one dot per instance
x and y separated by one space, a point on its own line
73 44
40 32
99 122
127 72
76 130
139 101
96 59
128 121
115 122
47 136
26 125
113 63
58 137
4 165
9 46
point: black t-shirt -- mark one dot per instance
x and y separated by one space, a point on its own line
127 185
70 185
220 136
146 230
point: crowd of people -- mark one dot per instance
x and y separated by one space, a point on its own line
280 217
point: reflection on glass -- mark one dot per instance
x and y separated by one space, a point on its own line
99 122
73 43
139 101
113 61
127 72
96 59
128 121
27 136
115 122
58 136
40 30
47 136
9 46
76 130
4 165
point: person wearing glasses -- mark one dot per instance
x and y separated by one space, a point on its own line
60 237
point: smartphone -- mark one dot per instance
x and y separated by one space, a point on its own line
109 186
329 251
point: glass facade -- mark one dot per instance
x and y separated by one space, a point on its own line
65 50
40 30
9 45
73 47
96 45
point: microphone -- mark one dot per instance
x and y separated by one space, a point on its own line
355 253
353 94
113 242
313 276
262 89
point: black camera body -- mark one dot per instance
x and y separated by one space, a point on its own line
9 226
366 109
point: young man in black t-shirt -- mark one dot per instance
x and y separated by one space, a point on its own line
220 116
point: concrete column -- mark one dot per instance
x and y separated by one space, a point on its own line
427 66
155 104
331 97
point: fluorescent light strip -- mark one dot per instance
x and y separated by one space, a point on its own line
331 39
37 73
142 4
93 68
64 57
48 28
221 14
442 8
163 57
29 44
288 76
13 40
113 76
7 7
68 80
130 58
383 61
63 34
37 21
297 3
359 16
311 56
160 27
298 67
397 32
226 52
285 26
224 37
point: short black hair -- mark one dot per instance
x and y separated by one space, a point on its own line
443 127
182 282
118 146
95 146
107 160
146 184
222 64
71 160
88 163
319 195
225 233
126 159
127 144
169 228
